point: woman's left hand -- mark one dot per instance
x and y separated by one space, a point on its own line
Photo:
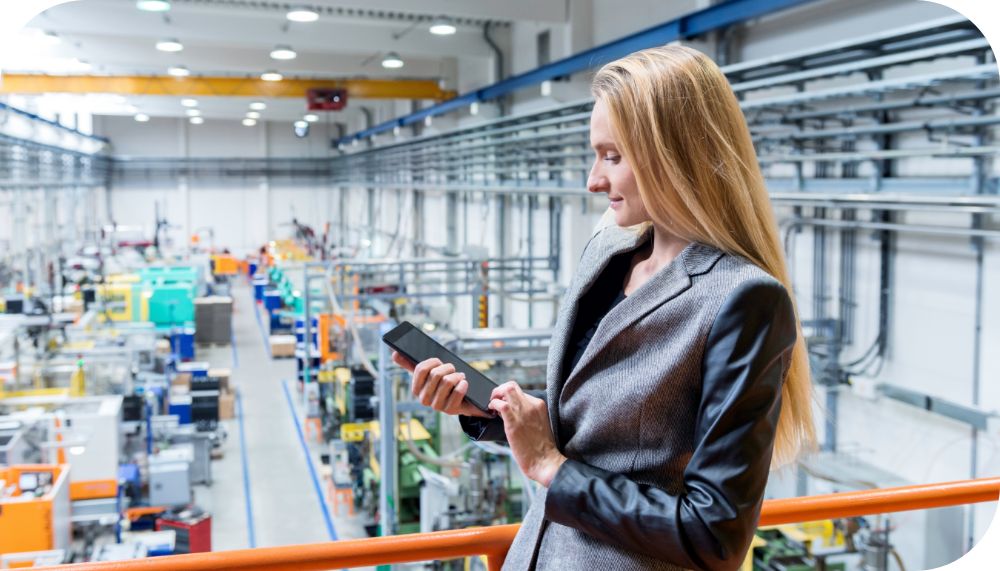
526 422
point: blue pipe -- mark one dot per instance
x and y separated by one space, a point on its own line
52 123
687 26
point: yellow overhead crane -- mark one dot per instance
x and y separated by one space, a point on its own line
220 86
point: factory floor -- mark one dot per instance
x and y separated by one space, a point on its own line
285 501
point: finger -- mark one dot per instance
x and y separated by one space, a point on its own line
402 361
499 406
433 382
444 390
420 374
457 395
503 390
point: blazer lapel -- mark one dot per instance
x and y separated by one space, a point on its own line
605 247
665 285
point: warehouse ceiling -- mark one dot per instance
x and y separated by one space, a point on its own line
234 38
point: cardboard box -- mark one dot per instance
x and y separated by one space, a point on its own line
183 379
282 346
227 406
223 377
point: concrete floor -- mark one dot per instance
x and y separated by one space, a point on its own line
283 499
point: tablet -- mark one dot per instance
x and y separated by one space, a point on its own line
417 346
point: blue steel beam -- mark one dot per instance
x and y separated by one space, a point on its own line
40 119
694 24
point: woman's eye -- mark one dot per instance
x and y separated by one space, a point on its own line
612 158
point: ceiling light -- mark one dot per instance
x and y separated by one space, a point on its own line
271 76
283 52
141 117
396 130
81 64
546 88
248 122
153 5
189 102
311 117
193 113
442 27
302 14
253 115
428 121
197 120
392 61
258 106
301 124
48 37
474 108
179 71
169 45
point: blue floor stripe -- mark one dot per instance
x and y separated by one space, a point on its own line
263 334
312 468
246 473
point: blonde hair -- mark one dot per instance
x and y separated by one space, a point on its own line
680 127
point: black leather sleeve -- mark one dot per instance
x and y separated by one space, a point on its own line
490 429
711 524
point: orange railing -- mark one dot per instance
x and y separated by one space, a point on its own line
493 542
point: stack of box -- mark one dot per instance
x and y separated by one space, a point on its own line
213 317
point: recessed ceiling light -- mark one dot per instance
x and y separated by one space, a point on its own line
442 27
153 5
188 102
258 106
253 115
392 61
302 14
141 117
169 45
178 71
197 120
301 124
271 76
193 112
311 117
283 52
248 122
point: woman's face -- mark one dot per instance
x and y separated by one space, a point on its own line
611 174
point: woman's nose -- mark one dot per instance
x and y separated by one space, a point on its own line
597 183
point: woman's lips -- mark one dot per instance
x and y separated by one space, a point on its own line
616 202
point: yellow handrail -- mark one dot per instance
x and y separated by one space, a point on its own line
493 542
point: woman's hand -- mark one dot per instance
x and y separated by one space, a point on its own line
437 385
526 422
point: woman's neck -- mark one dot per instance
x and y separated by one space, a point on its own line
665 247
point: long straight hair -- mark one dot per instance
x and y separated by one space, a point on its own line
678 124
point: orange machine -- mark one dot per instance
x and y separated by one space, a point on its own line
34 508
225 265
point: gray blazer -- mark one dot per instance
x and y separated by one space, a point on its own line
667 419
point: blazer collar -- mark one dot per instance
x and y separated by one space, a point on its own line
663 286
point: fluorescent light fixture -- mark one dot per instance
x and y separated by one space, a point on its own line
253 115
474 108
442 27
301 124
188 102
76 450
546 88
169 45
141 117
248 122
153 5
302 14
258 106
197 120
311 117
283 52
271 76
392 61
193 112
178 71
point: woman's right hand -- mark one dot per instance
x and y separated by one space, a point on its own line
439 386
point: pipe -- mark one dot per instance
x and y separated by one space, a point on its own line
498 62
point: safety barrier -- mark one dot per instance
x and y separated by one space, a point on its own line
493 542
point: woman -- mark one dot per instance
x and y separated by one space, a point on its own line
676 367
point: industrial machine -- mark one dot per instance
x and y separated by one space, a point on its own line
34 508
